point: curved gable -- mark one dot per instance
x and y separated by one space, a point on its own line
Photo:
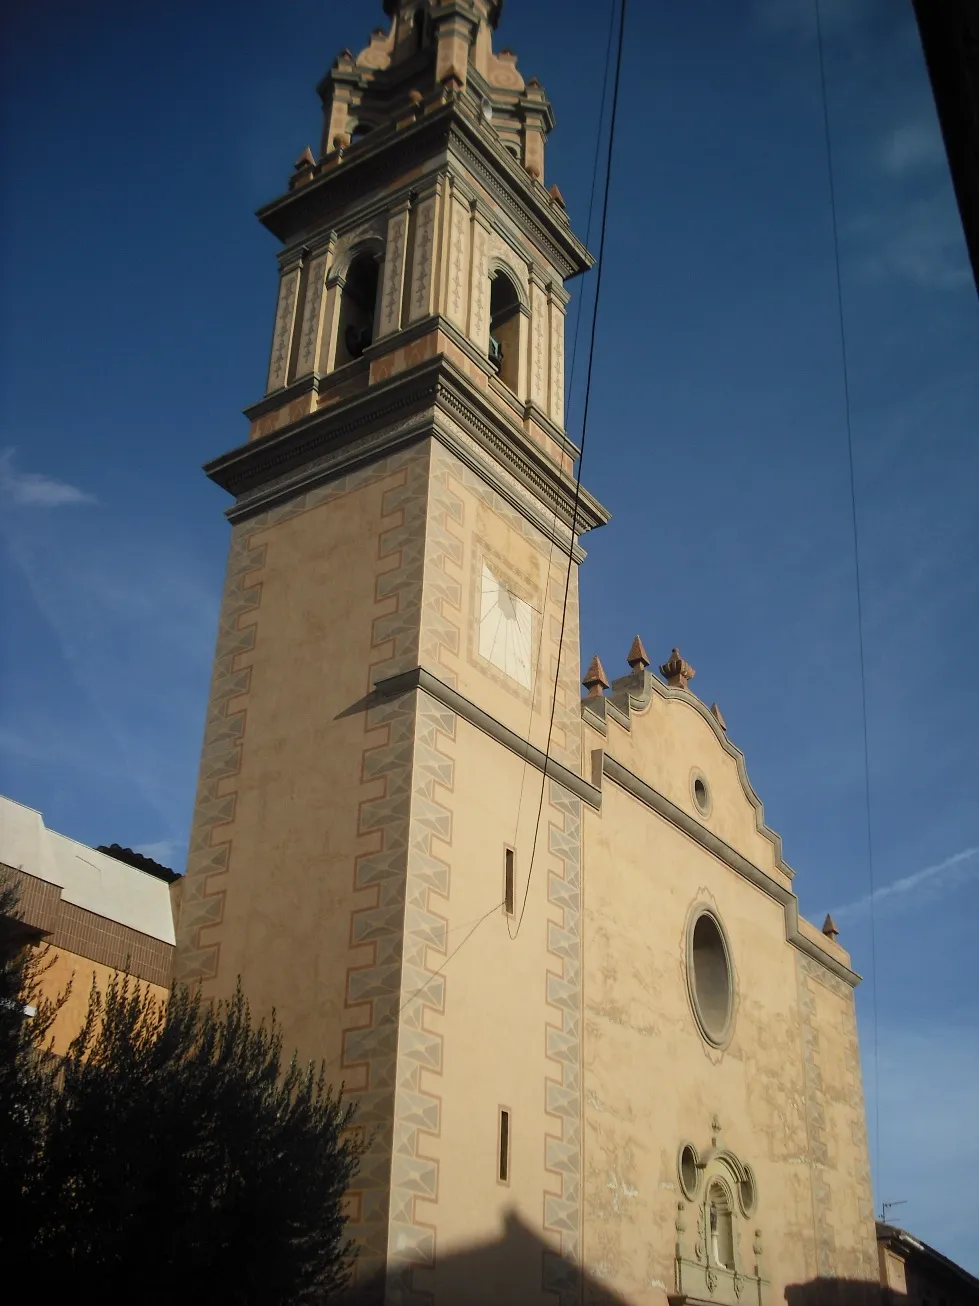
668 739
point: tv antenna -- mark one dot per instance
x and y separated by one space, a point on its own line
888 1206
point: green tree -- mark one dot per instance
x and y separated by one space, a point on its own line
27 1070
169 1158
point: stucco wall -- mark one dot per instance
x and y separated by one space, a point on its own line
785 1090
62 967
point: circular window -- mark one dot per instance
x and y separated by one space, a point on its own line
709 978
701 794
747 1192
687 1170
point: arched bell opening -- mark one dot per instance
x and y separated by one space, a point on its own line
504 336
357 304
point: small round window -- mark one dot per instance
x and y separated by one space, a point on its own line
687 1170
701 794
709 977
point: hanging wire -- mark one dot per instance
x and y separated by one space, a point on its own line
577 497
535 679
581 460
856 573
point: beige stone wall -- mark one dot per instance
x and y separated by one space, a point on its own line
470 522
296 869
785 1091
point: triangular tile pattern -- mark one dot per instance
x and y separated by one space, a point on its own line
441 638
417 1106
209 851
376 984
562 1210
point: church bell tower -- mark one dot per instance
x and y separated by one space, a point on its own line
402 527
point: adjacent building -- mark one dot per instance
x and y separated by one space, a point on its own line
914 1274
98 914
549 943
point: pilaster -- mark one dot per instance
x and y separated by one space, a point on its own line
424 255
313 308
392 285
285 319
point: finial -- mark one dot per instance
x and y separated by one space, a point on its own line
829 928
637 657
677 672
595 681
716 713
556 196
305 160
415 96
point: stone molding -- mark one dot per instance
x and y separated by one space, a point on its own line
451 129
334 439
723 851
606 767
418 678
633 693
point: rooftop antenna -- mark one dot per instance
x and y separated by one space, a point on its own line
888 1206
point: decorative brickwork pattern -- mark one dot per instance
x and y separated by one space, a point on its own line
417 1106
854 1260
423 260
38 901
86 934
538 350
458 264
392 287
374 982
89 935
441 631
562 1204
202 904
557 365
375 985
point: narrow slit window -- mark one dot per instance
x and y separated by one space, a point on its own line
508 882
504 1167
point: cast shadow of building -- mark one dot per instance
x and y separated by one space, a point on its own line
834 1292
512 1271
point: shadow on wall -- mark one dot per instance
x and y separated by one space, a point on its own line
836 1292
510 1271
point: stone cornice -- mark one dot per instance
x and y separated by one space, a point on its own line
604 768
427 142
659 803
418 678
632 694
386 416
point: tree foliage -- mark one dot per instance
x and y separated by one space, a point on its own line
174 1160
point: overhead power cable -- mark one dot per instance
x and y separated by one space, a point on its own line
856 571
581 459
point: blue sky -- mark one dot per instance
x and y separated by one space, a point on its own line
138 309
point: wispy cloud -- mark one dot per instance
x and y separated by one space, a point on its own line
167 851
912 147
32 490
931 879
920 242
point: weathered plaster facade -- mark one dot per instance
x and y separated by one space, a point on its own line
475 908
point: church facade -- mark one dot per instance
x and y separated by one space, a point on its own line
546 941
